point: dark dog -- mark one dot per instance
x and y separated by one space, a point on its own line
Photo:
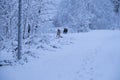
65 31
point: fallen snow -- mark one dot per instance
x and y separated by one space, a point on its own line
90 56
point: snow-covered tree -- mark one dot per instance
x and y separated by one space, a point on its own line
116 4
74 14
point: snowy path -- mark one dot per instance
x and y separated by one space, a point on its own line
92 56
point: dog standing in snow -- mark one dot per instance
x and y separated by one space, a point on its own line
65 31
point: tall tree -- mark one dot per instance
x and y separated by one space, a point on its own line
19 30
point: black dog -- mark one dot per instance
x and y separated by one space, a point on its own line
65 31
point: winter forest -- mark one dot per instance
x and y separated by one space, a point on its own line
59 39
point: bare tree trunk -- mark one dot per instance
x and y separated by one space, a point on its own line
19 30
25 29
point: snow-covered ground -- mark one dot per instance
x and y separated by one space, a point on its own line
90 56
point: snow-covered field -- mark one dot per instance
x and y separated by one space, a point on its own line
89 56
